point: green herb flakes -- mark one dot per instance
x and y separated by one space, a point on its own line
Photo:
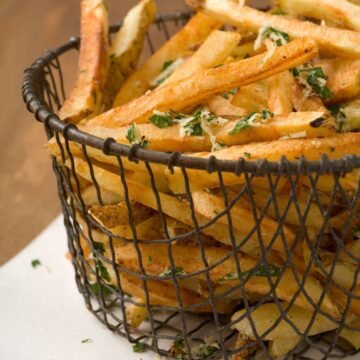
139 347
103 272
178 271
251 120
35 263
98 246
134 137
338 114
86 341
258 271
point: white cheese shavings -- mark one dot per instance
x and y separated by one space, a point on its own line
269 55
167 72
298 135
260 38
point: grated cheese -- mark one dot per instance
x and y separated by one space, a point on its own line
298 135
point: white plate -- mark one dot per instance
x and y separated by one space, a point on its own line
42 315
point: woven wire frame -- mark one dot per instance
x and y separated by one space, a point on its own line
185 323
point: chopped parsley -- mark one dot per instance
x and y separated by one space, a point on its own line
35 263
258 271
98 246
338 114
103 271
150 259
134 137
179 341
96 288
177 271
247 155
226 95
167 64
112 57
86 341
206 350
314 80
139 347
279 37
251 120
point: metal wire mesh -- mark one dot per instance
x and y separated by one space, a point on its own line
290 197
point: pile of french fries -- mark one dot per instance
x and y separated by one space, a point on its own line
283 82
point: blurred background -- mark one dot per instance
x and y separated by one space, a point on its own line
28 198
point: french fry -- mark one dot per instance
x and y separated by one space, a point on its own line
192 34
195 89
338 11
213 52
135 314
220 106
344 84
352 336
334 147
265 317
330 40
352 116
85 98
280 88
280 346
90 196
187 260
206 207
242 354
314 218
252 97
126 48
170 138
244 50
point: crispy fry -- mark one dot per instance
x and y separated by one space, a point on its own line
135 314
192 90
265 318
188 260
192 34
280 102
344 84
353 337
206 207
170 138
338 11
90 196
330 40
252 97
85 98
280 346
213 52
220 106
352 116
334 147
126 48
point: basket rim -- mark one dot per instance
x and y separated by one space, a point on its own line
31 92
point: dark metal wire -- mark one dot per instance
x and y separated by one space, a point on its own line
44 92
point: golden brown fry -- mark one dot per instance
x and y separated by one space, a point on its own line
85 98
192 90
213 52
266 316
206 207
220 106
334 147
252 97
188 260
192 34
304 102
170 138
352 336
126 48
90 196
338 11
330 40
280 88
281 346
135 314
344 84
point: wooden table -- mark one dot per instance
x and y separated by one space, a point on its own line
28 199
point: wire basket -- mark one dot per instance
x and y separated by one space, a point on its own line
187 323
